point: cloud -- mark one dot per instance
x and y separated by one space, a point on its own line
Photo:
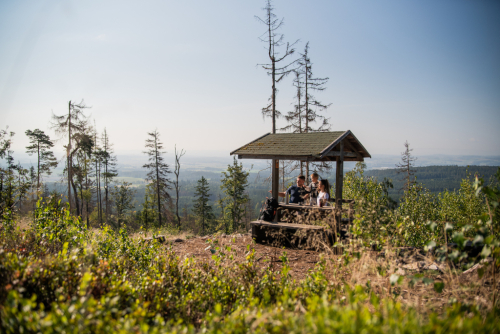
101 37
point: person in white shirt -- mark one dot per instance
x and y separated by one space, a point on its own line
324 192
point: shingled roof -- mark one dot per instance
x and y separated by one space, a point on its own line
313 146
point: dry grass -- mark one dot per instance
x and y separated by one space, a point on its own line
371 270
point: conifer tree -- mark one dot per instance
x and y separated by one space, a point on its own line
201 209
5 141
109 168
148 211
307 109
177 170
97 156
312 84
406 166
6 190
40 144
158 172
84 173
123 198
23 183
8 186
233 184
69 125
274 41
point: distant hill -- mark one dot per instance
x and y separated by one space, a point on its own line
434 178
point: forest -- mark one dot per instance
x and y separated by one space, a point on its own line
166 250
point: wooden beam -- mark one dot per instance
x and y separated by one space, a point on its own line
335 143
351 157
348 144
339 177
366 154
279 157
275 172
345 159
345 154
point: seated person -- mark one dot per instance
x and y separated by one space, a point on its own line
324 192
298 192
313 187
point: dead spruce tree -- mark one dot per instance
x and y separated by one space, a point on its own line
312 107
306 111
405 167
70 124
274 41
177 170
158 172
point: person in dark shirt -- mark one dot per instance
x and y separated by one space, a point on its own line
296 192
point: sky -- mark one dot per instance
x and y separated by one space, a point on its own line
422 71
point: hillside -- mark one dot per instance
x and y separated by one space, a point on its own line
435 178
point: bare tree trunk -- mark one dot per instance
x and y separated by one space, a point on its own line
38 173
77 203
157 181
177 188
106 191
99 194
68 155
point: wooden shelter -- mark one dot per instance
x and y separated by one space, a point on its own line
336 146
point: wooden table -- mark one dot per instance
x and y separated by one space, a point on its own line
305 207
314 207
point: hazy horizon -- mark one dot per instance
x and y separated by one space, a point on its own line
422 71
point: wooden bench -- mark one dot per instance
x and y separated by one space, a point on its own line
291 235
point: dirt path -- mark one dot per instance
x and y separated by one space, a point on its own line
300 261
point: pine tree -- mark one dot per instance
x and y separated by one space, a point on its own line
41 145
201 209
6 190
158 172
5 142
109 168
405 167
97 156
69 125
234 183
8 183
84 173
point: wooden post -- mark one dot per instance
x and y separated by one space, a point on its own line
275 168
339 182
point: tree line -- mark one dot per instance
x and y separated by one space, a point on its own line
89 174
